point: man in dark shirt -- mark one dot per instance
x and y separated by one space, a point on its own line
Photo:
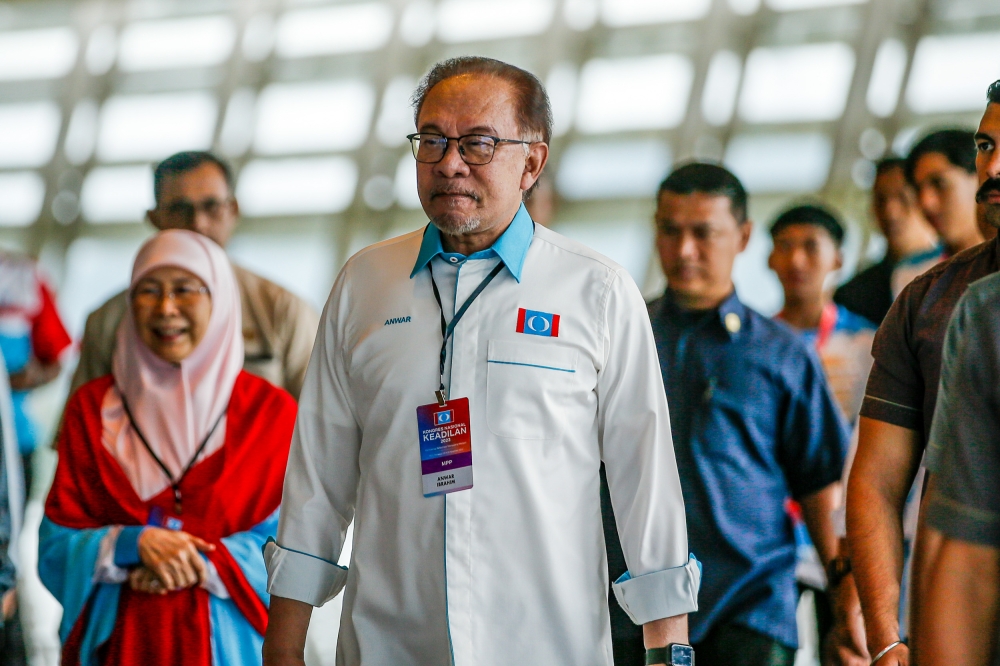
912 245
753 424
960 622
895 421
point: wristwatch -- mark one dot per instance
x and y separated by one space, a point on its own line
675 654
837 570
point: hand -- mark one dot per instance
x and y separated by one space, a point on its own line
144 580
34 374
8 604
174 557
846 645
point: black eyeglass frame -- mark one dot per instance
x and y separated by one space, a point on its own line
414 140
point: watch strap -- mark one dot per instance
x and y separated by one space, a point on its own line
660 655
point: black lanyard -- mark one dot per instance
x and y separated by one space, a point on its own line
176 485
448 328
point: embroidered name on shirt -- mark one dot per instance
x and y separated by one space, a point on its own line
397 320
533 322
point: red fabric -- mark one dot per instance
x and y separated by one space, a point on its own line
49 338
230 491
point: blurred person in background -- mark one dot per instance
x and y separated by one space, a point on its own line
194 190
12 496
33 341
942 169
898 409
169 477
806 257
753 423
913 245
959 624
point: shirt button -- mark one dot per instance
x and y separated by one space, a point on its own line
453 260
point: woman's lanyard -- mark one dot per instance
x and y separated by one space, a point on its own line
447 329
827 322
176 485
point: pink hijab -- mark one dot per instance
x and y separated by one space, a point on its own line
175 406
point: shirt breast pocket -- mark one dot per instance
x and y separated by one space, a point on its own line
529 387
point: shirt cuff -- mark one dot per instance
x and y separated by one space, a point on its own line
213 584
105 570
300 576
661 594
127 547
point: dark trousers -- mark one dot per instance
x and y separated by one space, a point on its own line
725 645
12 651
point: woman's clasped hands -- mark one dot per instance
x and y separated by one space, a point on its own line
171 560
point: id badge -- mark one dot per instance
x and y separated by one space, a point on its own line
445 447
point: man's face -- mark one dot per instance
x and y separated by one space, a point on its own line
803 257
698 239
893 202
947 196
988 164
198 200
462 199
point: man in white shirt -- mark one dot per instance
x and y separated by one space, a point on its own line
538 347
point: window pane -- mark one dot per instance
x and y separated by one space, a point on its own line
395 120
952 73
627 242
96 270
21 197
475 20
797 83
341 29
792 5
634 93
81 135
561 86
37 54
619 13
151 127
313 117
198 42
298 262
297 186
406 183
780 162
721 86
28 133
603 170
117 194
887 78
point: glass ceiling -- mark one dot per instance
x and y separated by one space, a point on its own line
309 99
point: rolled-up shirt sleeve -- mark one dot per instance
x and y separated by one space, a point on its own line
322 475
634 428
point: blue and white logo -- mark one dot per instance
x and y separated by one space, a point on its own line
444 418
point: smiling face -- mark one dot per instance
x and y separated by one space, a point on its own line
172 308
462 199
988 164
698 238
803 257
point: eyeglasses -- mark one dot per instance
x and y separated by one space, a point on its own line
151 295
185 211
475 149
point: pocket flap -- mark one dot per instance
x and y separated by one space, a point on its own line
532 355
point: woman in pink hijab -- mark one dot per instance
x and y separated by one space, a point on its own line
169 478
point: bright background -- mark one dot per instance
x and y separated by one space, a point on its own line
309 99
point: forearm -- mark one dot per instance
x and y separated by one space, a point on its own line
959 623
285 641
817 510
660 633
885 465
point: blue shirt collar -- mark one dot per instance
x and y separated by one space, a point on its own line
511 247
731 313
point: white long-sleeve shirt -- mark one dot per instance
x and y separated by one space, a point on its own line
512 571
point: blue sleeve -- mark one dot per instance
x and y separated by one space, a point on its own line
813 436
66 562
127 546
245 547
